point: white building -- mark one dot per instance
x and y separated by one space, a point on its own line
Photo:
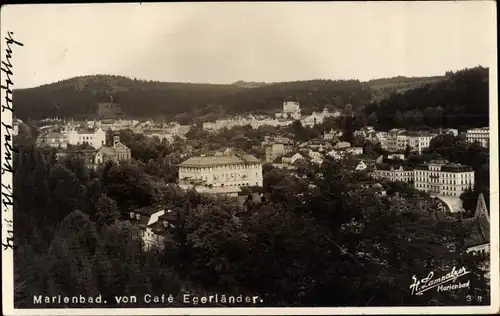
449 131
344 152
291 110
418 141
114 125
146 219
393 142
481 135
318 117
332 134
364 131
254 122
396 157
52 139
440 178
398 140
15 126
394 173
361 166
228 172
95 138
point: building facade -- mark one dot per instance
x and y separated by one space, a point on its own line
291 110
235 170
440 178
481 135
51 139
117 152
146 219
478 227
418 141
394 173
95 138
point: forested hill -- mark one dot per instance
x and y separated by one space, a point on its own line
384 87
79 97
458 101
463 94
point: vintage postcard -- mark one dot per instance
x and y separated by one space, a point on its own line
250 158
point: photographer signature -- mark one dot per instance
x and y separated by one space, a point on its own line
420 286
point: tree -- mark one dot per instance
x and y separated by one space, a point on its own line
106 210
129 186
372 119
71 257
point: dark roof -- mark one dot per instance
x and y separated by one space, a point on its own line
478 227
289 155
422 167
168 216
76 151
456 168
395 167
209 161
478 232
148 210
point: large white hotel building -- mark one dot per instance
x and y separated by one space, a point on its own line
438 177
221 174
481 135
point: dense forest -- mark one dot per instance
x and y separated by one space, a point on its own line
319 239
454 100
459 101
79 97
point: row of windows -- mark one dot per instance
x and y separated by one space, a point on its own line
451 193
427 173
211 169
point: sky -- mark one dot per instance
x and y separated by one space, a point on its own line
227 42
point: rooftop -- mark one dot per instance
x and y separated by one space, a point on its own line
148 210
456 168
211 161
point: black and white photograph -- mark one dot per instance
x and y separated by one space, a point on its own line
232 158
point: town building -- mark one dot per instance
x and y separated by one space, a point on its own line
367 162
394 173
94 137
478 228
52 139
364 131
372 186
221 175
118 152
481 135
393 142
158 132
15 126
291 110
448 131
344 152
88 155
418 141
290 158
332 134
441 178
396 157
274 151
146 219
341 145
399 140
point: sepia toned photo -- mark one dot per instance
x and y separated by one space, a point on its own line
249 158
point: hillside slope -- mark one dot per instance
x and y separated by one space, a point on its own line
80 96
459 100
